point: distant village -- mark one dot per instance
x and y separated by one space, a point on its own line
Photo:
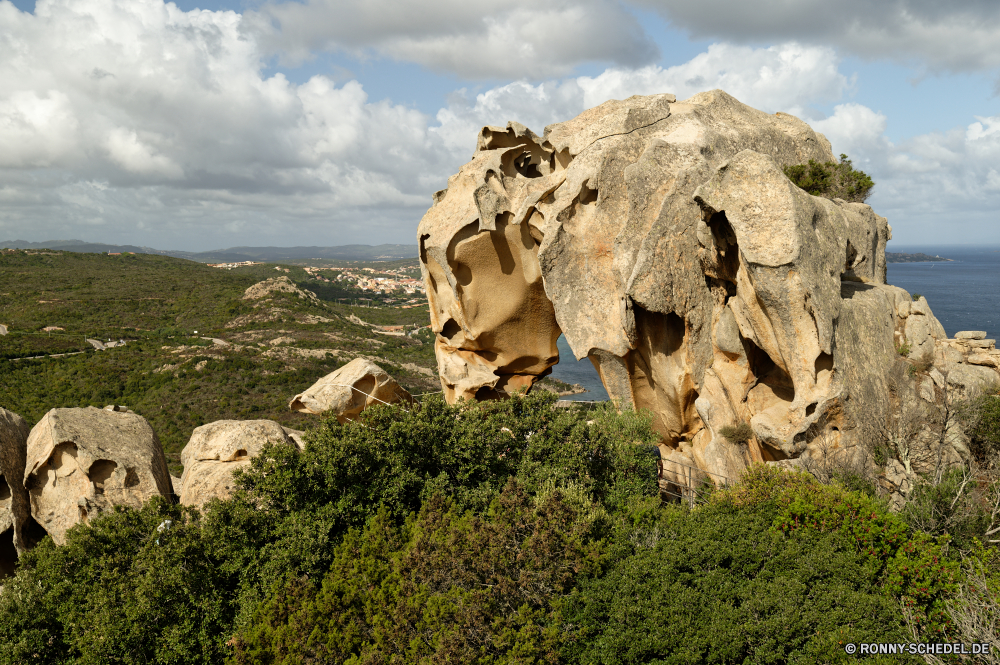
381 281
230 266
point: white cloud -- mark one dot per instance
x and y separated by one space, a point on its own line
152 125
940 187
853 128
955 36
170 111
786 78
472 38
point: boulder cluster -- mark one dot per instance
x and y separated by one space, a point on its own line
663 239
77 463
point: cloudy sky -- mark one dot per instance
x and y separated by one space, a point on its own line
205 124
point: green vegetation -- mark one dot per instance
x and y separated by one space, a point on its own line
832 180
175 377
916 296
740 432
982 417
492 532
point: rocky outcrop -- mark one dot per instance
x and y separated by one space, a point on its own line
350 390
217 449
268 287
82 462
15 509
968 362
663 239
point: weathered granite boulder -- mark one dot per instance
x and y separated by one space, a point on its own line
217 449
664 241
350 390
82 462
15 509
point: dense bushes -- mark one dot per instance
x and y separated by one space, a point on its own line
497 532
777 569
832 180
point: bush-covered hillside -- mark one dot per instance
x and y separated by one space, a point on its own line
169 311
494 532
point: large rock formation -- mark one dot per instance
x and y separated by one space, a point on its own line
82 462
663 239
349 390
217 449
15 510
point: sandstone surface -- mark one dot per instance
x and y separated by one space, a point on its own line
217 449
15 509
82 462
664 240
350 390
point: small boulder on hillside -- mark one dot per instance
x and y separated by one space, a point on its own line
82 462
15 510
217 449
350 390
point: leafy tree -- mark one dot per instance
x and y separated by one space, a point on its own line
775 569
446 588
832 180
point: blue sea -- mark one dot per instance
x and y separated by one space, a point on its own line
964 294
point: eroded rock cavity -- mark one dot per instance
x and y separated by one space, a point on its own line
82 462
663 239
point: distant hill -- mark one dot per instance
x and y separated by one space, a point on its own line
341 252
903 257
170 311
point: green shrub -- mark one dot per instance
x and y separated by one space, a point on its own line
737 433
445 588
955 505
916 297
981 416
119 591
777 568
903 349
832 180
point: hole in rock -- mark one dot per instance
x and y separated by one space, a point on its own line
32 533
811 409
4 489
100 471
131 477
423 250
728 256
8 553
83 514
525 167
241 454
588 196
363 389
852 255
824 362
451 329
487 393
768 373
